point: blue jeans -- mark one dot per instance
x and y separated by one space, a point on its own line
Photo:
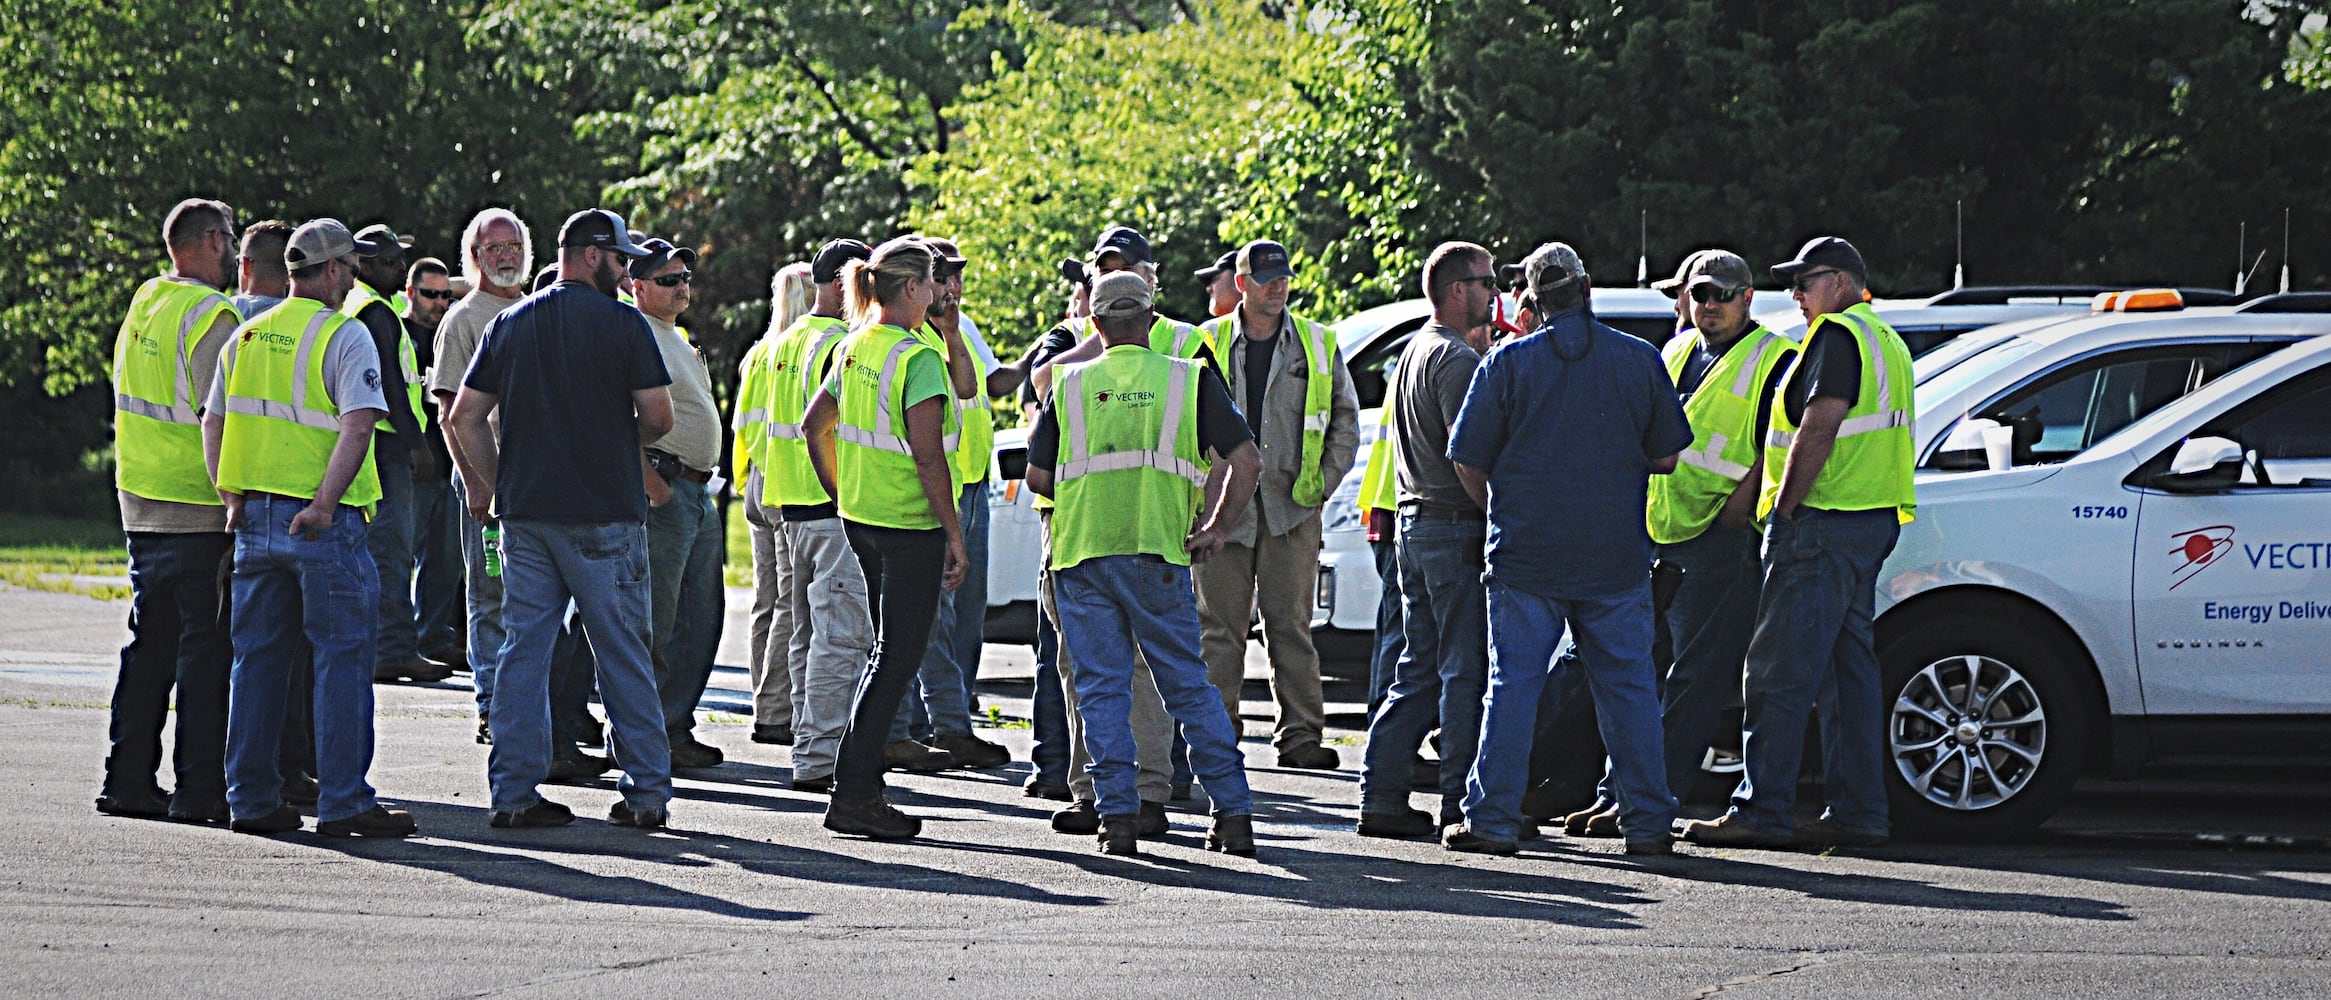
1049 708
178 652
1391 641
390 539
1709 621
437 582
1813 642
685 545
1613 641
572 667
484 595
1113 603
1443 671
951 660
323 588
603 568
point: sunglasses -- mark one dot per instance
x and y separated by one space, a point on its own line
434 294
1705 294
673 280
1804 282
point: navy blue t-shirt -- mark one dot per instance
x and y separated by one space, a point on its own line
564 362
1567 421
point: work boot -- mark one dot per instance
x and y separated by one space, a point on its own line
416 670
283 820
1402 825
872 818
1120 835
374 822
1081 816
542 813
1728 831
688 753
1663 844
1151 820
142 804
908 755
1574 824
1311 757
779 734
971 751
622 814
1038 788
1463 840
1232 834
301 790
571 765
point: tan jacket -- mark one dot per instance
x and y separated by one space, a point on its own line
1281 439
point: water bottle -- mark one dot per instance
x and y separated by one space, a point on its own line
493 536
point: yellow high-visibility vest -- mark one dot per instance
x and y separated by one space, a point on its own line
1723 414
281 420
157 422
1871 466
1130 476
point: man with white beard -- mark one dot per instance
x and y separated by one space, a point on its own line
497 255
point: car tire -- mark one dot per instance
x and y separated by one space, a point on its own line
1987 721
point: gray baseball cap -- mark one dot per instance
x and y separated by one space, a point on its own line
1721 268
1121 293
321 240
1552 266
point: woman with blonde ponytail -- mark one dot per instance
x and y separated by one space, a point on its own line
879 433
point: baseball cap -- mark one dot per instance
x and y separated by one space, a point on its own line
1265 261
827 265
1672 287
380 233
546 277
1125 241
320 240
1825 251
1121 293
1076 272
1227 262
660 252
946 260
1721 268
601 229
1552 265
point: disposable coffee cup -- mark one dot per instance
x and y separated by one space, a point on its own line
1999 447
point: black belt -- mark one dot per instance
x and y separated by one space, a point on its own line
670 467
1439 513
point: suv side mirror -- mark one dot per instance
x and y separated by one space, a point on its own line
2202 465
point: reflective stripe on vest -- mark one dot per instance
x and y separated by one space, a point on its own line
886 416
157 421
797 366
281 427
1722 413
1870 465
879 483
1131 476
1319 348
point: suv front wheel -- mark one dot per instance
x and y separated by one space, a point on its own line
1986 727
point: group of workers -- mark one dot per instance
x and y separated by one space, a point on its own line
285 454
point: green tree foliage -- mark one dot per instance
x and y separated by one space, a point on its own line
2110 141
1103 127
375 110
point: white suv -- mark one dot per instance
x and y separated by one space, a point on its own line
2157 594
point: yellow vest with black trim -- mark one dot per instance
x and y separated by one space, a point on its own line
1319 359
407 362
797 365
876 473
1871 465
1722 412
749 415
1379 483
967 462
281 420
1130 476
157 422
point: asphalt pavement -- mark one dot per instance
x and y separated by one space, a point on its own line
2185 886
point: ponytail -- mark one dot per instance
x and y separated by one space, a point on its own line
858 301
867 284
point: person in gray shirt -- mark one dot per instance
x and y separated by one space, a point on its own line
1444 609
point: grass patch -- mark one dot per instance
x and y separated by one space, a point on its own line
48 553
738 570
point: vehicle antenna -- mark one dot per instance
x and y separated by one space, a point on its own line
1643 257
2241 253
2286 249
1959 263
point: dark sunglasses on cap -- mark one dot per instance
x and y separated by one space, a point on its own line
1705 294
434 294
673 280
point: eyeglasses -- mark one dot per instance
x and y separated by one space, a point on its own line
1804 282
673 280
434 294
1705 294
498 249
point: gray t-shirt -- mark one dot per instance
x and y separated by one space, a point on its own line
457 339
695 435
1428 388
351 372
